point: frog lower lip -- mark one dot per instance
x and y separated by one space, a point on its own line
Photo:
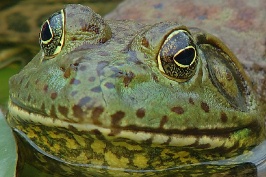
221 132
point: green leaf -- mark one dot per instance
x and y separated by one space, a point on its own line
8 149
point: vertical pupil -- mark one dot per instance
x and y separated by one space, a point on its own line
45 32
185 57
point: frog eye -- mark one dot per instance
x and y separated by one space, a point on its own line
52 34
177 57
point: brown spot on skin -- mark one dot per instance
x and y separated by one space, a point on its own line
103 40
145 42
62 68
109 85
205 107
53 112
116 117
45 88
73 38
224 117
95 132
155 78
96 113
77 111
229 76
114 132
163 121
140 113
76 64
67 73
63 110
74 81
53 95
91 28
178 110
128 78
191 101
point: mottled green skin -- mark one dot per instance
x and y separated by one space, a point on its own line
103 101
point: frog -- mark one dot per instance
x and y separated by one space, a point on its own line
121 98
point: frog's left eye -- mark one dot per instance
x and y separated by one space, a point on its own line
52 34
177 57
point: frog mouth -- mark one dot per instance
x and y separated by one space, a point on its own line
228 138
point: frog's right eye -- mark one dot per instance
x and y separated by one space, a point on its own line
177 58
52 34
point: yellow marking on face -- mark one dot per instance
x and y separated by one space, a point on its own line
128 146
166 154
53 135
44 140
184 157
31 134
55 148
114 161
71 144
80 140
96 161
81 158
37 129
140 161
156 163
98 146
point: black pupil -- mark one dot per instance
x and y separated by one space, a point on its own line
45 33
185 57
